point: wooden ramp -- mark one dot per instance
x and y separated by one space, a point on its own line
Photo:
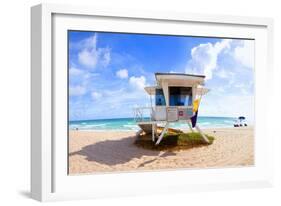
147 128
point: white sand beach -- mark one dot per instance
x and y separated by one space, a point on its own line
95 152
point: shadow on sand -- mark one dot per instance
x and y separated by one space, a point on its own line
113 152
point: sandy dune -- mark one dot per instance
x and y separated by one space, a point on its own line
92 152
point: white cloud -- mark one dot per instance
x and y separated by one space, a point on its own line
138 82
239 85
96 95
243 88
220 89
204 57
120 100
90 56
77 90
228 106
224 74
244 53
122 73
75 72
80 77
106 56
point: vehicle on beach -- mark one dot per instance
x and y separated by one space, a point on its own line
240 122
177 99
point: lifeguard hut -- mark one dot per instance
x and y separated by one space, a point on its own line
177 98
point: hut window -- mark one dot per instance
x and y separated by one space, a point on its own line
180 96
160 98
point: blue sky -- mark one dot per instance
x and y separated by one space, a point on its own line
107 72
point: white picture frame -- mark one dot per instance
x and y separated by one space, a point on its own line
48 178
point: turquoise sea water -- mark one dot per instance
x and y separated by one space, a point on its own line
128 124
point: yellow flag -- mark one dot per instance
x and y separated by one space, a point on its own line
196 105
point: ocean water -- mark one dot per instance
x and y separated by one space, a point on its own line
128 124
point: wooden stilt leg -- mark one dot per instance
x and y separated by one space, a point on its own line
162 134
202 134
190 127
153 132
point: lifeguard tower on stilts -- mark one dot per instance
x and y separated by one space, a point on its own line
177 99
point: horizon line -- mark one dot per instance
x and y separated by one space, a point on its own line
144 117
